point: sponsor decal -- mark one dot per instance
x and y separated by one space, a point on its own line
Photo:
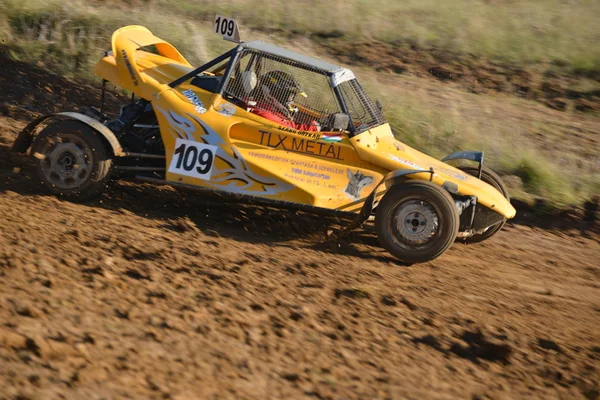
299 163
404 161
312 174
129 68
298 145
310 135
326 136
311 178
226 109
308 172
356 183
191 96
449 172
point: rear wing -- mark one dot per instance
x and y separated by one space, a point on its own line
127 40
125 70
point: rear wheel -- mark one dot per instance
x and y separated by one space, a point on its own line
416 221
491 178
72 160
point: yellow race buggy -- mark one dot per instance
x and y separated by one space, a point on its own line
264 123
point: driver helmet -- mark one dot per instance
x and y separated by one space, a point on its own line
279 89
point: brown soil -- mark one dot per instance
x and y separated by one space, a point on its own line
146 292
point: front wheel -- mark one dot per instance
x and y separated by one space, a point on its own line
72 160
491 178
416 221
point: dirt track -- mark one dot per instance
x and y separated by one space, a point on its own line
150 293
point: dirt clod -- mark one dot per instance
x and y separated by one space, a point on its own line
388 301
478 346
411 306
548 344
135 274
352 293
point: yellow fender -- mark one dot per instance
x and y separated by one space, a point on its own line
26 136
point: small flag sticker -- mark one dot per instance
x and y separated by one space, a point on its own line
332 138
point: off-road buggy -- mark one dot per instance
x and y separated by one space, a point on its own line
264 123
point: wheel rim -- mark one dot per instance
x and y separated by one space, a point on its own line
416 223
66 161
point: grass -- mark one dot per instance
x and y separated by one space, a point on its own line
515 143
520 31
69 37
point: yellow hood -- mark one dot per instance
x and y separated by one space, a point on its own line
380 147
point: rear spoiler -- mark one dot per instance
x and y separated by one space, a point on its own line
127 40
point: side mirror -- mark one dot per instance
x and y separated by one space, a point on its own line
379 106
339 122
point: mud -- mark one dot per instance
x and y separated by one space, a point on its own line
147 292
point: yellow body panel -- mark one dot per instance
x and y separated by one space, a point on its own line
264 159
260 158
380 147
134 69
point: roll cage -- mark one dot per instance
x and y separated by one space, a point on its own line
349 94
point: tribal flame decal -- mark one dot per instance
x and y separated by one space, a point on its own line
238 170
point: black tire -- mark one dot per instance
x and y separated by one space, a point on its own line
429 221
72 160
491 178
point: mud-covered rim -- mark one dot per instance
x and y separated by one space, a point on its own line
66 160
415 223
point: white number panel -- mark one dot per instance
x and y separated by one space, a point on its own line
193 159
226 27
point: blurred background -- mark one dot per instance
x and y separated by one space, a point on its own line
519 79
